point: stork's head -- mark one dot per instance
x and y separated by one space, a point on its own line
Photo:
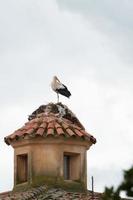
55 78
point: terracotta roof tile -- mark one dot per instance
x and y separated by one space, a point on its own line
43 192
35 125
54 124
30 131
65 126
50 131
84 133
17 133
57 125
43 125
70 132
40 131
50 125
79 133
59 131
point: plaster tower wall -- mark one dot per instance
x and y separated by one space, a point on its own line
51 149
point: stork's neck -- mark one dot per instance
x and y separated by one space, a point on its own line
56 79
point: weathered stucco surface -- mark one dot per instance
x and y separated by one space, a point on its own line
45 160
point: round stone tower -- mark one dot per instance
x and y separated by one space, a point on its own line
51 149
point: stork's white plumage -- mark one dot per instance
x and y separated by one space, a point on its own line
59 88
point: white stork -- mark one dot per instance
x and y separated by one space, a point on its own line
59 88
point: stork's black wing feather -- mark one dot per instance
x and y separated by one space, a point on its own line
64 91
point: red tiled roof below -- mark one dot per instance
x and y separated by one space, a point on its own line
42 193
49 124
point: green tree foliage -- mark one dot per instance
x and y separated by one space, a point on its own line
127 184
110 194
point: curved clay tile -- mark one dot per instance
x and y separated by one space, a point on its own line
45 124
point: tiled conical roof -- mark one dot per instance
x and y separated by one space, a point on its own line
51 120
44 192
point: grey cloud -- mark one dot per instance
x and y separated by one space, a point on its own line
113 18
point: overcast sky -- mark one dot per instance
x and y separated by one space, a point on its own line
88 44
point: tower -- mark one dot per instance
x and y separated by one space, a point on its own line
51 149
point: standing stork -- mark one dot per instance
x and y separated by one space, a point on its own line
59 88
